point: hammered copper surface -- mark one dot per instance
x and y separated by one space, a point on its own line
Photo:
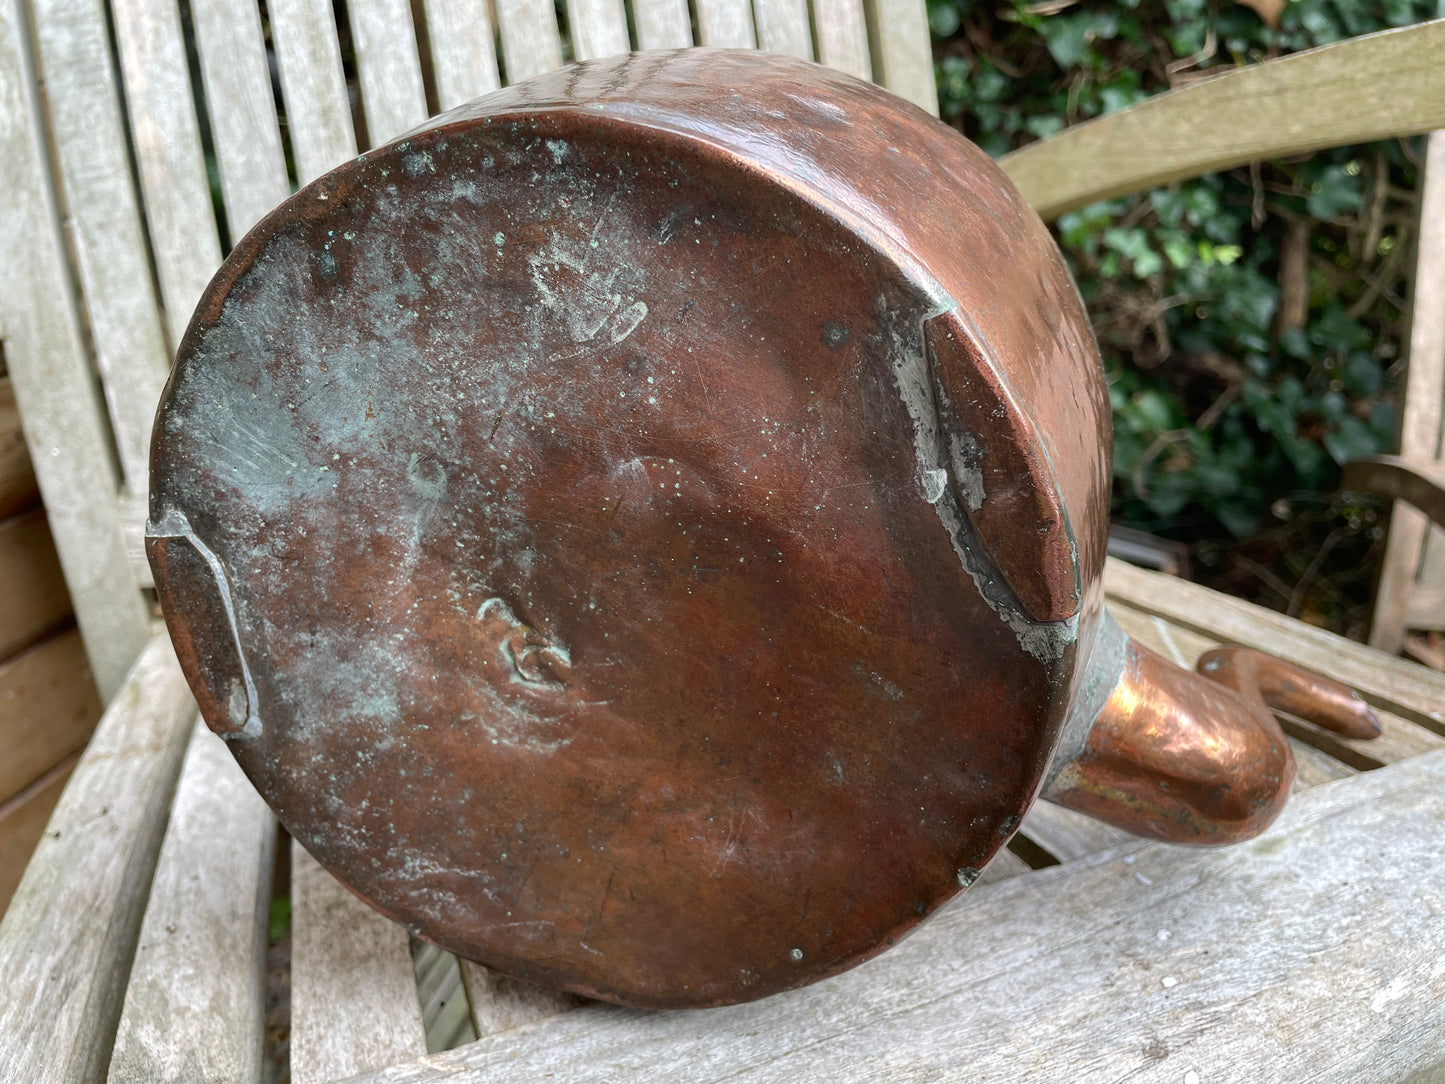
638 530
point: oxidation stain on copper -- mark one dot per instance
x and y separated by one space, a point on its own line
657 509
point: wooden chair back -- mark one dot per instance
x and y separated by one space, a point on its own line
160 857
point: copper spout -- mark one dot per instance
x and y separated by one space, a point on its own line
1179 758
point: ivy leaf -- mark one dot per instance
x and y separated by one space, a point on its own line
1351 440
1156 409
1134 244
1335 191
944 18
1362 374
1065 38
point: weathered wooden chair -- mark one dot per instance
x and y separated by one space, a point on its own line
136 944
1411 591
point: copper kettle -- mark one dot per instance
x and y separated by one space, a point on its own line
645 531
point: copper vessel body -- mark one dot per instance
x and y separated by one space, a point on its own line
645 530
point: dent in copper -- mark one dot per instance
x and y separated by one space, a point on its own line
646 536
1178 758
636 530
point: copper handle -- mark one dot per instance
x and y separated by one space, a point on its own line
1199 757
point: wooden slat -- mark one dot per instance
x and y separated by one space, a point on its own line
1425 608
167 141
1393 684
531 44
1417 480
18 490
726 24
1367 88
48 708
902 50
1005 864
387 67
662 24
1309 954
598 28
783 27
1314 766
22 822
1423 396
244 130
1068 835
39 322
133 535
500 1003
196 998
313 86
445 1011
104 220
842 32
463 49
353 994
33 598
68 939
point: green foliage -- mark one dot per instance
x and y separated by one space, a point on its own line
279 923
1250 322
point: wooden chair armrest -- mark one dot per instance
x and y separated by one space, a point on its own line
1366 88
1421 484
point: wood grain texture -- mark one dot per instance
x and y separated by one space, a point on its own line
81 93
1005 864
783 27
67 941
237 80
903 51
70 445
22 822
445 1011
1066 834
388 68
726 24
1367 88
1300 956
1395 685
167 140
18 489
133 510
463 49
48 709
662 24
313 86
1314 766
1423 396
598 28
1425 608
842 32
196 997
1418 480
500 1003
354 1001
33 599
531 43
